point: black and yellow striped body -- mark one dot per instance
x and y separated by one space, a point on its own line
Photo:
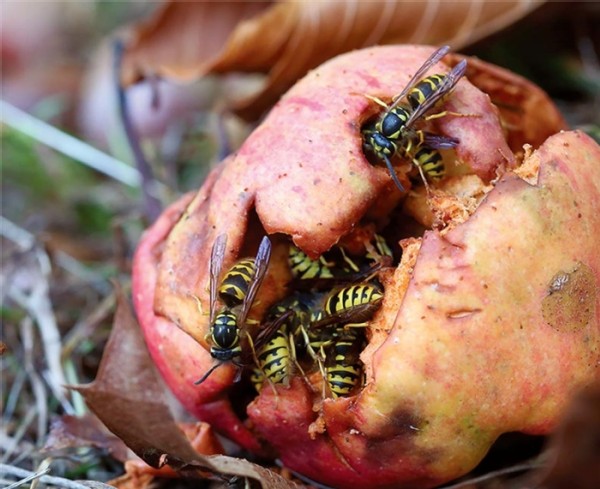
225 336
344 367
424 90
430 161
396 131
274 360
303 267
235 283
364 299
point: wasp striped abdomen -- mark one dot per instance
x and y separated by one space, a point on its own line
237 280
360 301
303 267
430 161
344 368
424 90
274 360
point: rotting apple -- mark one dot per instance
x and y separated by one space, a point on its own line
490 320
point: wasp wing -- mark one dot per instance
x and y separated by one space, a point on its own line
450 81
217 256
356 314
416 78
328 283
261 264
262 338
436 141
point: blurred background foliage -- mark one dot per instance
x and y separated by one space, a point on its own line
68 230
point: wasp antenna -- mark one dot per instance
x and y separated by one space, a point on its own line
388 163
207 374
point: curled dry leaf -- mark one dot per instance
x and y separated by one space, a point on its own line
185 40
128 397
490 319
69 432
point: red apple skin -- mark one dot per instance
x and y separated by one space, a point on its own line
499 323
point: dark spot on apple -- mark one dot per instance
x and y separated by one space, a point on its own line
571 300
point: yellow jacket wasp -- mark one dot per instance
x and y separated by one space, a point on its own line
394 132
229 324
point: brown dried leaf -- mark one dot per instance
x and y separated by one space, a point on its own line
289 38
74 432
128 397
574 450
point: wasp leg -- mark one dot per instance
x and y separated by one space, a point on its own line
321 362
444 113
418 165
295 358
355 325
378 101
349 261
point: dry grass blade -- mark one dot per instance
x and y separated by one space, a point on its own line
68 145
28 476
27 285
26 479
11 445
290 38
84 327
37 385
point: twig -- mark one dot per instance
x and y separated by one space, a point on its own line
46 479
26 241
79 404
42 467
85 327
13 395
68 145
152 205
14 441
497 473
29 478
7 443
26 453
22 238
37 386
36 302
